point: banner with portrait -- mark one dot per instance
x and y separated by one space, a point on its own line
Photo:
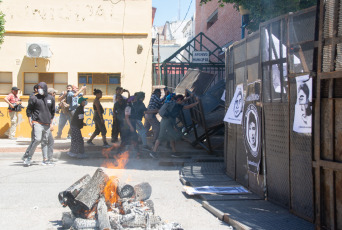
252 136
235 111
303 109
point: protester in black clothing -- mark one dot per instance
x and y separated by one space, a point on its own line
40 111
140 109
129 134
119 113
98 120
77 143
116 126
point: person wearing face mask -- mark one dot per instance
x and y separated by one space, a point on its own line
13 101
40 111
77 123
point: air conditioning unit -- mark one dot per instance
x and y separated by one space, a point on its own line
38 50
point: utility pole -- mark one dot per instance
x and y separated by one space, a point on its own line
159 76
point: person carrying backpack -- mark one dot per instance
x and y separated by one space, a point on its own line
168 130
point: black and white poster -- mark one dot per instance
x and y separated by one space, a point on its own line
252 137
303 108
235 111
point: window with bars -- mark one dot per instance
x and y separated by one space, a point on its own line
58 81
5 83
106 82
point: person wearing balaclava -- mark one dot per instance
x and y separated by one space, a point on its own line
40 112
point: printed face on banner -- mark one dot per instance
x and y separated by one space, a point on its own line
303 109
252 137
235 110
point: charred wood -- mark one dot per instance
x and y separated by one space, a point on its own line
73 190
92 190
102 215
143 191
126 191
150 205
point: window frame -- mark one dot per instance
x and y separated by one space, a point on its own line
53 80
7 83
91 74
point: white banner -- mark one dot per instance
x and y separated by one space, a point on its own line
303 109
235 110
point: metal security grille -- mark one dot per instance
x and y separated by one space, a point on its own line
328 123
287 51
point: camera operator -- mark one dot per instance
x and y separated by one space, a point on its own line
14 106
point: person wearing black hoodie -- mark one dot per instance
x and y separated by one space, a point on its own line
40 111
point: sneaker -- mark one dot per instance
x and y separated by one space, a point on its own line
24 157
176 155
27 162
70 154
106 145
82 156
90 143
69 137
44 163
153 155
50 163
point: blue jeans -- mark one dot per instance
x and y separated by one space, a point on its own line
141 131
63 118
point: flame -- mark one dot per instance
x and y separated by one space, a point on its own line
109 191
119 162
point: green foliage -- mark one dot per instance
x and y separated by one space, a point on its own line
2 26
263 10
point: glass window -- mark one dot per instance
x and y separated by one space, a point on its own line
5 83
106 82
58 81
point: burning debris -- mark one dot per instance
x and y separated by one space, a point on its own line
102 202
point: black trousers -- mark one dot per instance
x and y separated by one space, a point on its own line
116 128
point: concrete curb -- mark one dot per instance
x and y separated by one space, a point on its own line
224 217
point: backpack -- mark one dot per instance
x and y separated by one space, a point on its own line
166 109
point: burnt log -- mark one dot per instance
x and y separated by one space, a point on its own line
125 191
67 220
142 191
93 189
80 223
73 190
102 215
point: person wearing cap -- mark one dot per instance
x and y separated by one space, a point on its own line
116 122
12 100
77 123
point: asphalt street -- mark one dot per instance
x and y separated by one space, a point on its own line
29 194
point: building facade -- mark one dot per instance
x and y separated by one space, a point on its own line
98 43
221 24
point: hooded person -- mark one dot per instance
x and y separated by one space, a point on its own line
40 112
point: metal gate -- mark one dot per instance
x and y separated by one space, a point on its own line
173 69
328 119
